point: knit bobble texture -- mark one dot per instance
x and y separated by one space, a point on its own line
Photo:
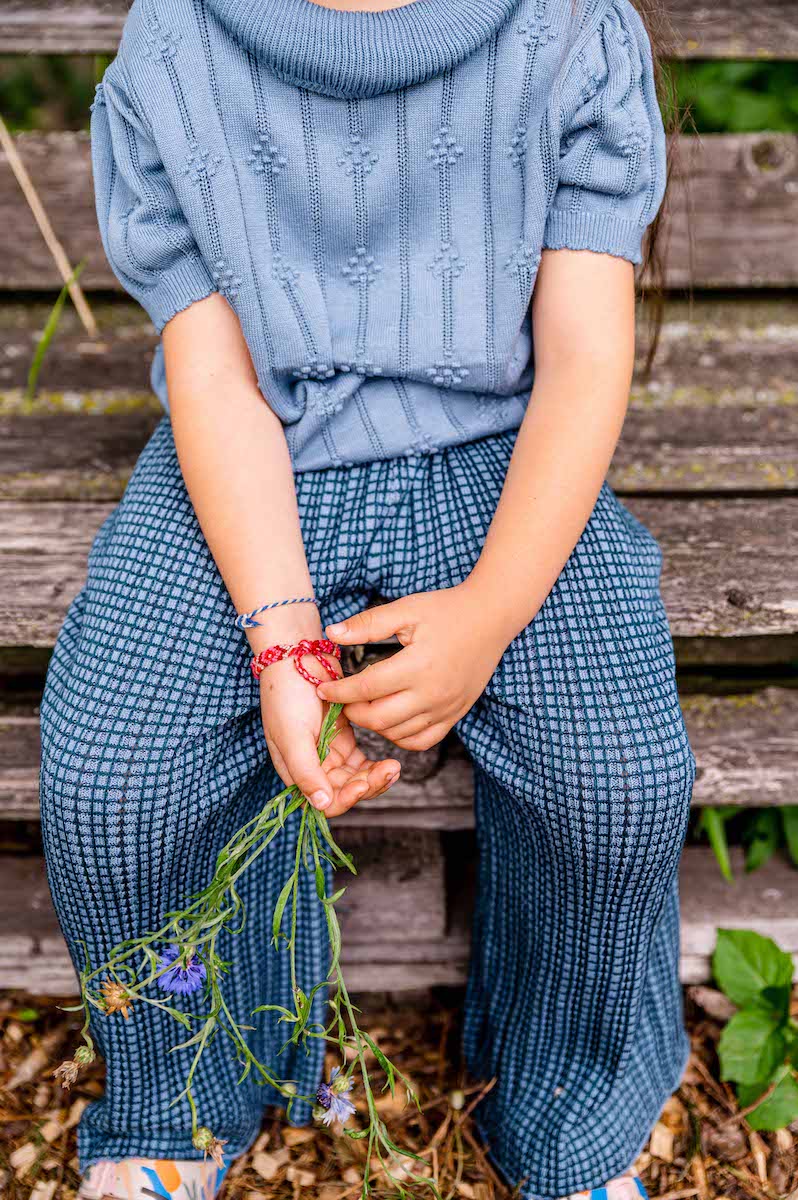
371 193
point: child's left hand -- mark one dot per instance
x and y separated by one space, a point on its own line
451 649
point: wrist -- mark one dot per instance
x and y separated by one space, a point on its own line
488 614
286 625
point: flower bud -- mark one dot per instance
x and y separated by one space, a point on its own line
203 1139
84 1055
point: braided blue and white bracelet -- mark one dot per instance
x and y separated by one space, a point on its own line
247 620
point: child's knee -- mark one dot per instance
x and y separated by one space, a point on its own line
624 798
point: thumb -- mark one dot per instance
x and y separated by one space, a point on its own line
370 625
306 771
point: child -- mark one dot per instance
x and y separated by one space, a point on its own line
350 222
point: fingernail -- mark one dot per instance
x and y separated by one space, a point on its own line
320 800
338 627
392 778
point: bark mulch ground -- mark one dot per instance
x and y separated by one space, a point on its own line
701 1147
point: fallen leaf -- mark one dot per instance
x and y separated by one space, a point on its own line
661 1143
295 1137
268 1165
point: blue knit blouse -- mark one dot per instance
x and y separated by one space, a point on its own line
371 193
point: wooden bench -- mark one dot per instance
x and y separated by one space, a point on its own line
708 460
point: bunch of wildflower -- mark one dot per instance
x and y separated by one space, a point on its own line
182 958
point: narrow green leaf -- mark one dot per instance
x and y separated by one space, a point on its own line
789 819
761 838
49 332
340 856
713 823
386 1065
279 908
745 963
321 884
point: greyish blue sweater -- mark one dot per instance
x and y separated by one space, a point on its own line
371 193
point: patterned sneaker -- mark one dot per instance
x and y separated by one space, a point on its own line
152 1179
625 1187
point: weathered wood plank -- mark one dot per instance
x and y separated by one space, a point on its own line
712 352
61 26
718 413
60 455
731 566
746 747
742 202
33 955
725 29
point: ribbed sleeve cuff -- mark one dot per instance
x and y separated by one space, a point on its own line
181 285
602 232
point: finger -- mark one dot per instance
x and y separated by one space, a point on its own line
278 762
378 774
344 753
385 713
302 761
418 723
424 739
370 625
367 784
380 679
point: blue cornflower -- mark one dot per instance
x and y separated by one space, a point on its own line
180 978
332 1097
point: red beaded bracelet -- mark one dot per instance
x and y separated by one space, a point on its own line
317 648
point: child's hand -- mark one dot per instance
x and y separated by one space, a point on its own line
292 718
451 650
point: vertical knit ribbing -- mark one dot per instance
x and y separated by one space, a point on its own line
349 54
487 199
381 252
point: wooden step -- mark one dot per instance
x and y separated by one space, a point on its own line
712 352
731 226
387 955
721 29
746 746
731 566
717 414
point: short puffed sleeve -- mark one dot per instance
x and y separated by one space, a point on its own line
612 146
146 236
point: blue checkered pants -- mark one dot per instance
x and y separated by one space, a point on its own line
153 756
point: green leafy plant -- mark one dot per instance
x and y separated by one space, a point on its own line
49 332
762 831
758 1048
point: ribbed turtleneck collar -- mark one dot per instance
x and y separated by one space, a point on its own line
361 54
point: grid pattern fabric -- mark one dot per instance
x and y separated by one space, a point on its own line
153 755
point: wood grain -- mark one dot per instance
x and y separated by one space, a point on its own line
725 29
731 566
718 414
33 956
746 746
732 225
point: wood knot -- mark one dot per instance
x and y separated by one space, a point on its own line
773 156
739 599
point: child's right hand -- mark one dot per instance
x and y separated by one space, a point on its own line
292 716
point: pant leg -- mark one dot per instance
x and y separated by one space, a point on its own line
583 776
153 756
583 779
